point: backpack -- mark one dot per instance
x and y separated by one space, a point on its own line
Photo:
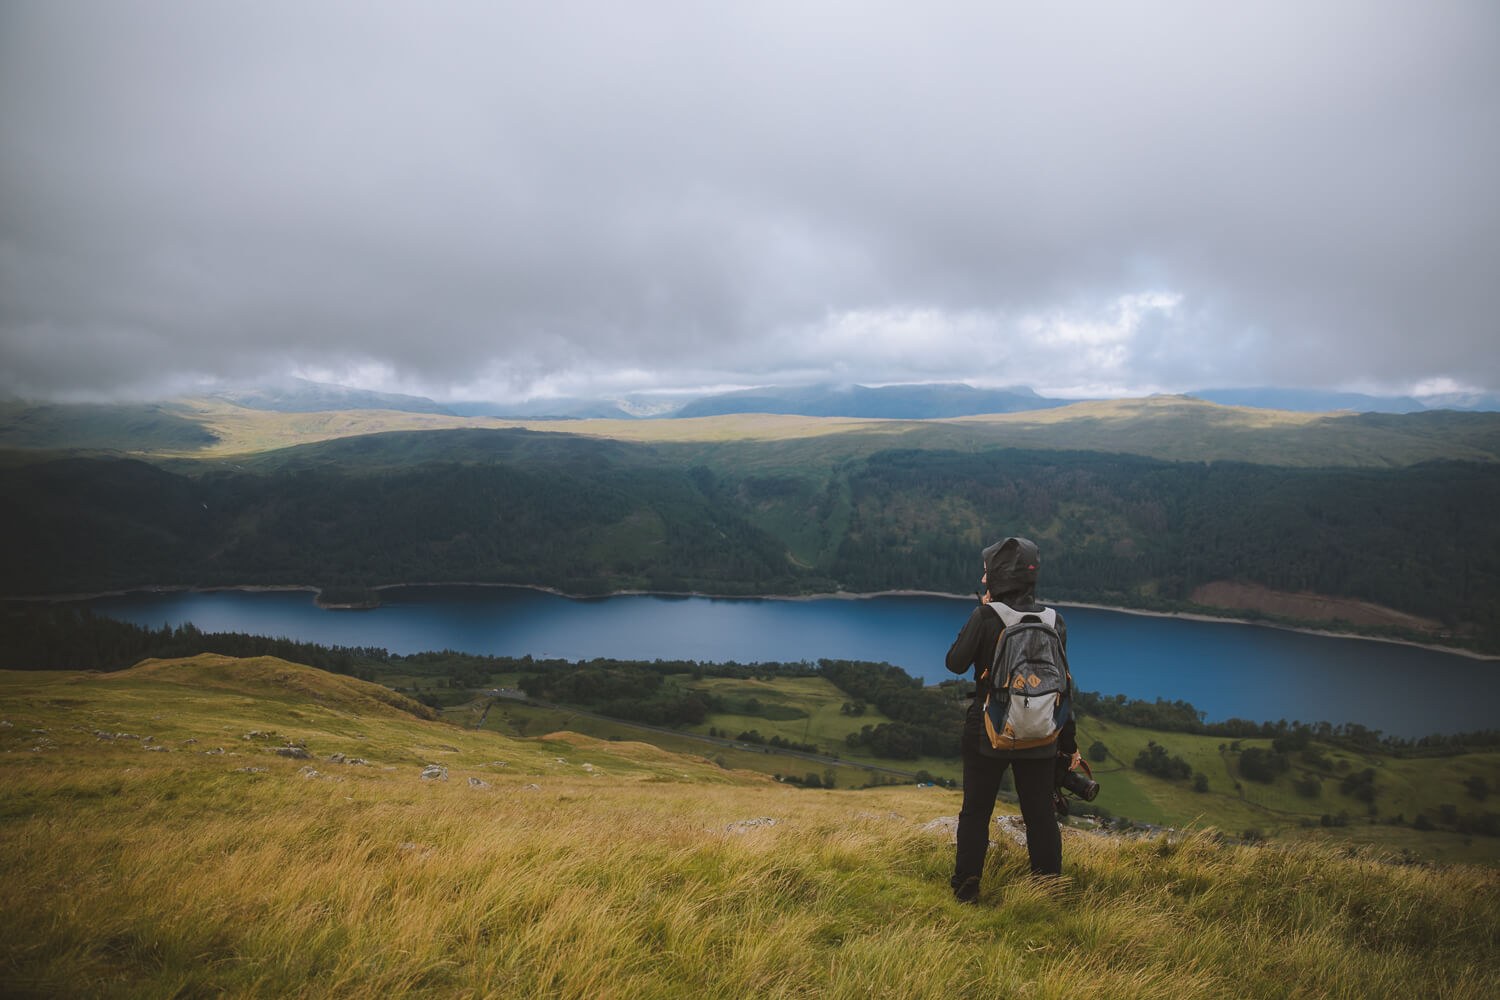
1030 693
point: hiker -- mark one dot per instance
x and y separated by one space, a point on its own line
1010 571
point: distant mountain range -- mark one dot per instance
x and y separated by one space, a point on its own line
924 401
896 402
299 395
1314 401
545 409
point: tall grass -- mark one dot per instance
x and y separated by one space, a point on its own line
136 874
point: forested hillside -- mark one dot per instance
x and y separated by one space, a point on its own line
587 515
1126 529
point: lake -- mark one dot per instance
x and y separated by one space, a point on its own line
1224 669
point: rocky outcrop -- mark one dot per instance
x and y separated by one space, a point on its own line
338 758
1010 827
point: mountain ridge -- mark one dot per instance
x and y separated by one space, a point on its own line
1178 428
905 401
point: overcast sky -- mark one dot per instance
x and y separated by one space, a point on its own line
498 200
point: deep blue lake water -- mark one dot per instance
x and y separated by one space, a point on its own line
1225 669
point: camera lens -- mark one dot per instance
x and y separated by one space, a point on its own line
1080 785
1085 788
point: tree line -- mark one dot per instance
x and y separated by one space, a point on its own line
63 637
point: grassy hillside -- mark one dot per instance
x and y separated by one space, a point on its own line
1405 788
799 710
144 862
1173 428
154 428
1184 429
808 711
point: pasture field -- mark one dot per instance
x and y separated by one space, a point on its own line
808 710
1404 788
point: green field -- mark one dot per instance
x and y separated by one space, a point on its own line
808 710
811 704
1406 787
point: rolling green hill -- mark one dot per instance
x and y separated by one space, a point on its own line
1173 428
1155 503
587 515
255 828
148 427
1423 805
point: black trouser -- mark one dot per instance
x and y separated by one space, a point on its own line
1034 784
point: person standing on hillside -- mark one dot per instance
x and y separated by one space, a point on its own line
1010 572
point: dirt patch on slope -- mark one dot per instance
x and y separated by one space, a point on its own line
1309 607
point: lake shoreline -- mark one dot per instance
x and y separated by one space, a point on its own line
837 595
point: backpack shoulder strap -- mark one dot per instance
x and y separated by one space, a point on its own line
1010 616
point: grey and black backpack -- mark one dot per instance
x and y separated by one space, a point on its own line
1030 689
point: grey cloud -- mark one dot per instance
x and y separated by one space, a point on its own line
515 195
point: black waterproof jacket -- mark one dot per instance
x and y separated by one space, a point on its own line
975 648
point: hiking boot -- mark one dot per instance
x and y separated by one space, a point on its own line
968 892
